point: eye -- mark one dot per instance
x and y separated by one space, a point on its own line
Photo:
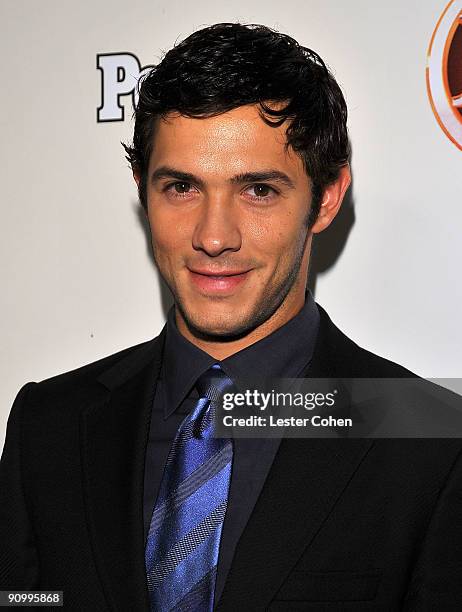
180 189
261 191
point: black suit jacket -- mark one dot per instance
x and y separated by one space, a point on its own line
340 524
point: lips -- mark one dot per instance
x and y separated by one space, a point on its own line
219 273
218 281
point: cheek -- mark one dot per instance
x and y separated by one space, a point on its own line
279 235
169 236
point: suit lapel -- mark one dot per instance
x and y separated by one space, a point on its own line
114 434
306 479
304 483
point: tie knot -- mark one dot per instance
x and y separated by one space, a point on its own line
213 384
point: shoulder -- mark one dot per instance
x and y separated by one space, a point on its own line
349 359
395 402
90 381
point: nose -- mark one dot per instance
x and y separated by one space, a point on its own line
217 228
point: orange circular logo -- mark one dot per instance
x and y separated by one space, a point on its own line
444 72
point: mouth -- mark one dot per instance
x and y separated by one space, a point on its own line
218 282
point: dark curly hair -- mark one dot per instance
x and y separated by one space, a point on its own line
227 65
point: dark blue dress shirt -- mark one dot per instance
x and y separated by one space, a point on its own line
285 353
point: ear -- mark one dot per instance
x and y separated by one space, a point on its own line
136 176
332 200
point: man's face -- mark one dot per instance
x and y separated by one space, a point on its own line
227 206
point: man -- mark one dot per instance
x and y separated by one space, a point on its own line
240 155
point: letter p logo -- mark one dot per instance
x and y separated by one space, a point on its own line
120 73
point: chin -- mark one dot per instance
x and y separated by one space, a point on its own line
218 328
225 325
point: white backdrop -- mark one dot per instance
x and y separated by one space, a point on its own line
77 278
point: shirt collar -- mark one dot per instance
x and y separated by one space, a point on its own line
283 353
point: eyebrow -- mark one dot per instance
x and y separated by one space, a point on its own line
244 177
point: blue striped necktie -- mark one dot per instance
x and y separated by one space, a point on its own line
184 535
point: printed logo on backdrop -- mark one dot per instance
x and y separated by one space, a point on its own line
120 73
444 72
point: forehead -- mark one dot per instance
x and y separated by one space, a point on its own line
232 142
